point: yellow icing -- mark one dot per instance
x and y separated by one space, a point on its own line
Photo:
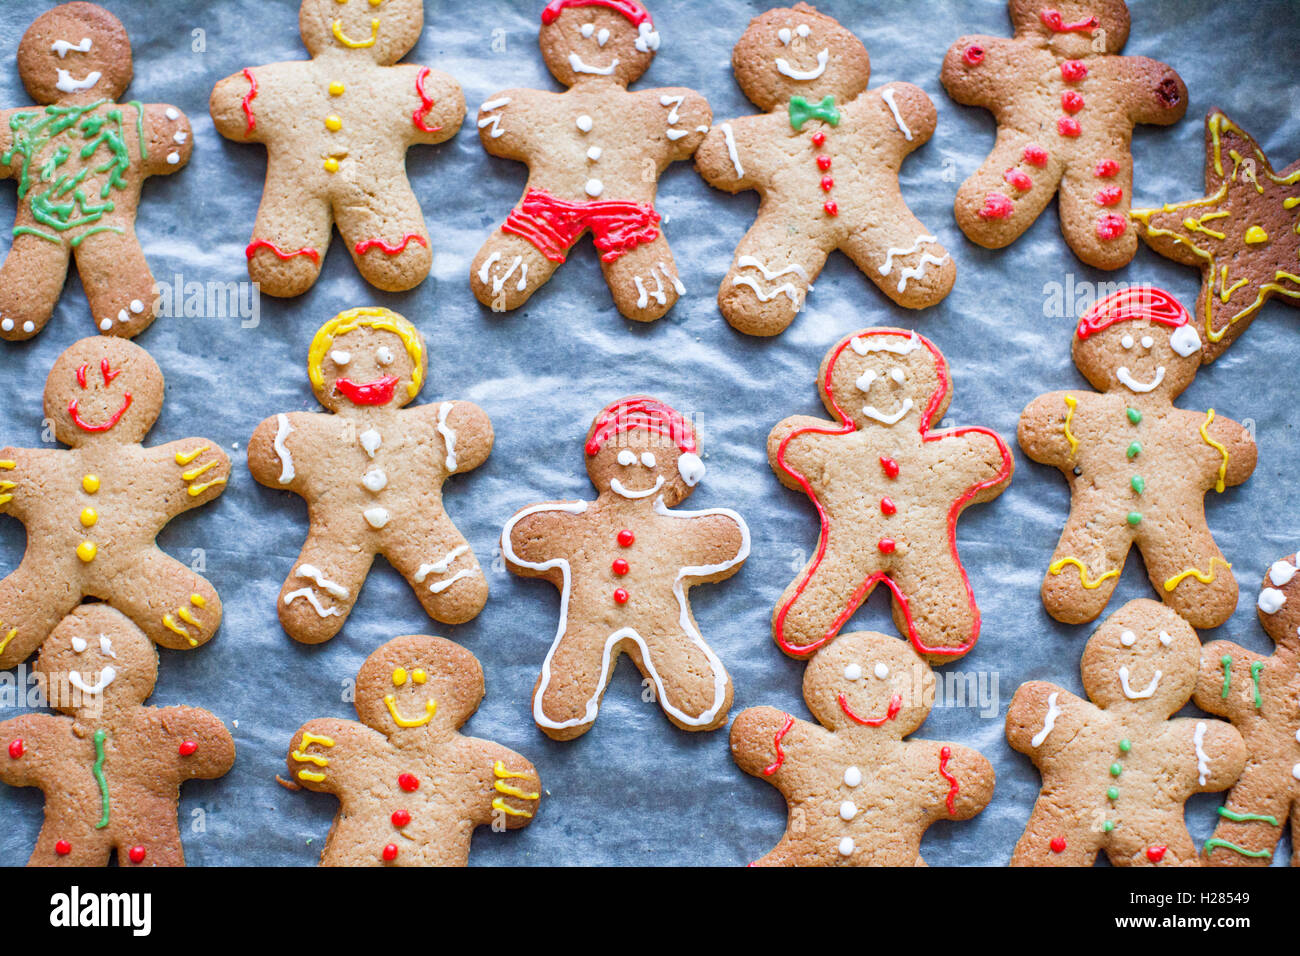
1072 403
1203 576
1219 485
185 457
1056 567
383 320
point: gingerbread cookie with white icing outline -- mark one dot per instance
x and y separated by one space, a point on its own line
594 155
372 475
337 128
858 793
1138 466
1118 767
825 156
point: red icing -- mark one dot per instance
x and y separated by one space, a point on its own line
553 225
629 8
1053 20
136 854
1072 71
378 392
247 102
1018 180
1068 126
1058 844
1156 853
1071 101
187 748
1108 195
887 545
63 848
408 782
366 245
625 538
1145 302
1105 169
640 411
85 426
945 754
421 115
1111 226
620 567
895 705
620 596
818 138
827 184
17 748
973 54
390 853
887 507
256 244
401 818
1035 155
823 163
996 206
776 742
891 469
832 209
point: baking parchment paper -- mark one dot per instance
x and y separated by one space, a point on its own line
635 790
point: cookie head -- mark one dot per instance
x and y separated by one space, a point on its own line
366 358
640 449
584 38
1279 602
1143 656
103 388
75 53
865 679
1073 28
1138 341
796 51
380 30
418 685
97 661
886 378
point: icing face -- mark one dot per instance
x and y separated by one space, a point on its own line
103 388
418 684
367 358
75 54
1140 357
1074 27
381 30
640 455
97 659
643 466
797 51
597 41
416 677
86 380
885 379
868 680
1142 658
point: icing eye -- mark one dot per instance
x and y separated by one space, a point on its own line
106 647
852 671
865 381
1147 341
803 30
1126 341
626 458
419 676
384 355
399 676
588 29
647 459
1128 638
79 644
898 375
1165 639
340 357
783 35
882 671
602 37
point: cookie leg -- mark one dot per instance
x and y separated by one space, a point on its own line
386 236
1163 841
1056 836
320 591
644 280
31 281
154 829
1250 824
63 843
939 616
1190 573
566 698
1085 567
991 207
30 607
446 578
905 261
118 283
290 238
818 603
696 691
508 270
770 278
1094 216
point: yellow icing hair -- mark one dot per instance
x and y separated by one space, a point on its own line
385 320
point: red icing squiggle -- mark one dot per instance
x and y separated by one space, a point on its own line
895 705
640 411
776 742
247 102
85 426
1135 302
256 244
945 755
954 511
366 245
420 116
629 8
1053 20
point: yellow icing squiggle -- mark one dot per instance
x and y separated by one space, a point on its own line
1220 484
1056 567
1205 577
1071 403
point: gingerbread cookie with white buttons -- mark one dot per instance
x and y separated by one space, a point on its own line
337 128
624 564
412 788
372 474
825 156
859 793
594 154
93 512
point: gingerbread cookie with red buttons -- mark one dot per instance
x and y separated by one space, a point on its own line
859 793
1139 467
336 129
372 474
111 768
825 156
80 159
888 489
93 512
1117 768
594 154
624 564
1244 234
1065 101
412 788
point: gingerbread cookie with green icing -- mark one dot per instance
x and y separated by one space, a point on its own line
337 128
1261 697
93 512
860 794
80 160
1138 466
1244 234
111 768
411 788
1117 768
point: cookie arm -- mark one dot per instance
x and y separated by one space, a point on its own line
759 741
6 141
1241 450
1224 667
33 737
788 451
233 107
727 156
197 743
504 125
916 117
1155 92
510 788
169 137
202 469
1043 431
465 433
963 780
986 81
322 752
718 539
985 464
21 475
693 119
1222 754
1031 717
271 451
437 105
534 534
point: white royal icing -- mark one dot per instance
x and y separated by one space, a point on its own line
69 84
804 76
106 677
730 137
1133 385
448 435
880 343
1202 758
1185 340
313 573
577 66
370 441
63 47
441 565
690 468
320 609
282 431
1271 600
376 517
887 94
1049 722
1132 694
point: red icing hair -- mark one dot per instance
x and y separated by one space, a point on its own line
641 411
1137 302
629 8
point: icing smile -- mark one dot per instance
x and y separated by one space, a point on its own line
875 414
86 426
68 84
378 392
356 44
1133 385
803 76
895 705
576 64
1132 694
618 488
1053 20
430 708
106 677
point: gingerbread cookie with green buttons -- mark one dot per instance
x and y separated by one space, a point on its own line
1139 467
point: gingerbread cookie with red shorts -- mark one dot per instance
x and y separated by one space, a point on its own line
623 564
594 156
1065 102
111 769
888 490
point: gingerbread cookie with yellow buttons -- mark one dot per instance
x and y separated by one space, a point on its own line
92 512
337 128
372 474
411 788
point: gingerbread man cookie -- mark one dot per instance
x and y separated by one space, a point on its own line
336 129
1065 102
1138 467
888 491
1261 697
825 156
1244 235
372 475
1116 768
411 787
112 768
623 564
594 154
92 513
80 161
858 793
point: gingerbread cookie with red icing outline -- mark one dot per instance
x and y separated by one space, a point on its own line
1065 102
1138 466
337 128
825 156
888 491
1117 768
80 160
411 787
594 155
92 512
858 793
111 769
